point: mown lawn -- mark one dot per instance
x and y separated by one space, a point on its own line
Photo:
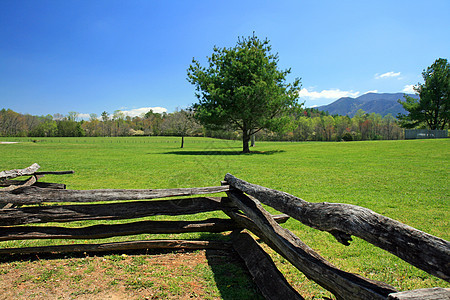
405 180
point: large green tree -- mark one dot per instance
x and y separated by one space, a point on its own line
243 88
433 106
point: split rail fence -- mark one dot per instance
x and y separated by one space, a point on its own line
22 202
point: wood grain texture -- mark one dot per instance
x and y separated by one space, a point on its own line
425 251
422 294
105 231
108 211
8 174
36 195
109 230
342 284
267 277
121 246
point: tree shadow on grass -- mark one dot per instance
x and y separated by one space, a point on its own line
231 275
223 152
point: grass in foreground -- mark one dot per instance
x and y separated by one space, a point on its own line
190 275
405 180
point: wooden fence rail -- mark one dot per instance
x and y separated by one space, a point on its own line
342 284
23 202
427 252
108 211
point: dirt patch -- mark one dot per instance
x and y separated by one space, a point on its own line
189 275
9 142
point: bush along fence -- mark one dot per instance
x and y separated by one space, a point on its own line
18 200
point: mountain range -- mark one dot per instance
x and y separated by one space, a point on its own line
383 104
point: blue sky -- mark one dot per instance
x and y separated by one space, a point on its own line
94 56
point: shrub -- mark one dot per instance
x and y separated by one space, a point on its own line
347 137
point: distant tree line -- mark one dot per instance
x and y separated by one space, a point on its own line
314 125
309 125
178 123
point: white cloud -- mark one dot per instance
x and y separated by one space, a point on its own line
373 91
387 75
409 89
326 94
139 111
130 112
83 116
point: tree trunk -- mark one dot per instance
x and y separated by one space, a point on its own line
245 140
182 141
253 138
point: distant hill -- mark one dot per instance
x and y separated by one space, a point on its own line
382 104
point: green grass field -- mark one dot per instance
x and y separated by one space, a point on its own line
405 180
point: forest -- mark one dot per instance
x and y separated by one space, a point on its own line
309 125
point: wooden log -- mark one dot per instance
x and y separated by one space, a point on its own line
342 284
19 172
37 184
266 276
55 172
29 182
104 231
50 185
108 211
425 251
7 205
122 246
422 294
247 223
35 195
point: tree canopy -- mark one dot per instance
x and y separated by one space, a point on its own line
433 106
242 88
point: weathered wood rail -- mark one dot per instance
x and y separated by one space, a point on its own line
427 252
23 202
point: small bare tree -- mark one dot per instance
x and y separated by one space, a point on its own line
180 123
